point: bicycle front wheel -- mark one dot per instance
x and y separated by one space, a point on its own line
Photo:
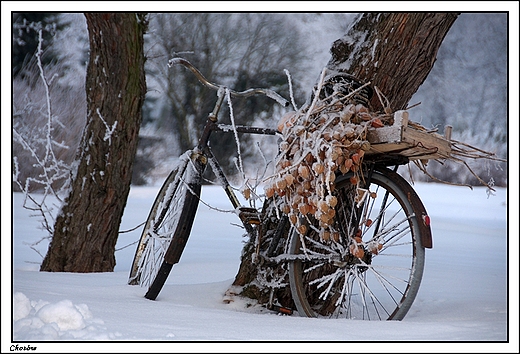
371 268
171 218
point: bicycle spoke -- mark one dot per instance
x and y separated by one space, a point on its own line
382 280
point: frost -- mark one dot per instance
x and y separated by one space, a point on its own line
319 142
109 130
41 147
237 141
290 89
273 95
358 41
374 48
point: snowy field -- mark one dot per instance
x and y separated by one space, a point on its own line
465 297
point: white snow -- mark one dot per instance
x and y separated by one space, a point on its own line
463 295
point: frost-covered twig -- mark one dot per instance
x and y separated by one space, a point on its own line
317 93
291 93
384 101
465 150
237 141
54 173
459 152
39 53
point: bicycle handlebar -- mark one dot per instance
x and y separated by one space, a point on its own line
247 93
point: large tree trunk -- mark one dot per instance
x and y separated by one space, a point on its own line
86 229
393 51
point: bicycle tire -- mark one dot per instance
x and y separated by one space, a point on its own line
171 218
381 284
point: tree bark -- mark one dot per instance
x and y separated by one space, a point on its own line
86 230
393 51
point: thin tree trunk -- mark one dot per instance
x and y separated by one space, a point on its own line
86 229
393 51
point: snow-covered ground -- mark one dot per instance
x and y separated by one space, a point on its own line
468 294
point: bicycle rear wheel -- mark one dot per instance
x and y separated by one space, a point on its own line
170 219
373 269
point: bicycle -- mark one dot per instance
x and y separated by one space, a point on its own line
389 224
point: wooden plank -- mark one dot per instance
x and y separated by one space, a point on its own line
405 140
433 144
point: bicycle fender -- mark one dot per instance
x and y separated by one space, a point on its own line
426 231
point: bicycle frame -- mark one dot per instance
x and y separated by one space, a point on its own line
203 154
215 166
324 277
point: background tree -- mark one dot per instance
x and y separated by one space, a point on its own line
25 43
467 88
393 51
238 50
86 230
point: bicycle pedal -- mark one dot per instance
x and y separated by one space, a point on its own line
280 309
249 215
